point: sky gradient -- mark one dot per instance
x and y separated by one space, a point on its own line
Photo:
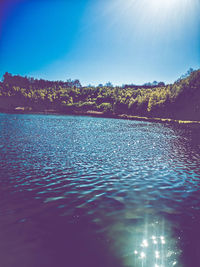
97 41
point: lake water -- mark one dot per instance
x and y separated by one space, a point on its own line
95 192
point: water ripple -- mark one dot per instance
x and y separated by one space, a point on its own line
111 177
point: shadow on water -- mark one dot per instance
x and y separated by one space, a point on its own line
41 235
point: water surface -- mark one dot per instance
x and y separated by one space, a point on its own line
82 191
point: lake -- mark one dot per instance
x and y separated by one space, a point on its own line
96 192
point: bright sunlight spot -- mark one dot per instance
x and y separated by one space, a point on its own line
159 249
153 17
163 3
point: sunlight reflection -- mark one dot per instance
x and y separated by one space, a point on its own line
157 248
144 243
142 255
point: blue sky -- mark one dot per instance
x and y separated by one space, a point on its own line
96 41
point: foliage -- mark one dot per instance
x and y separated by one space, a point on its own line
179 100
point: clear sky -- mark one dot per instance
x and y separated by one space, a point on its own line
96 41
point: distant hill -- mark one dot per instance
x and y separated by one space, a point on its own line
180 100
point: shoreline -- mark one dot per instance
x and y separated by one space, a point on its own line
92 113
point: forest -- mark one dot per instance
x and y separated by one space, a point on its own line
180 100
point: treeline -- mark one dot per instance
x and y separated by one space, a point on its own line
180 100
35 84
